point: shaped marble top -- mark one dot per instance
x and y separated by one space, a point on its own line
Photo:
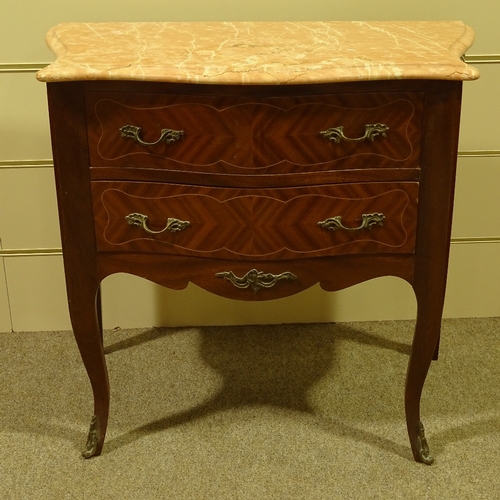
259 52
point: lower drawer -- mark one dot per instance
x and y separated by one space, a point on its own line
311 221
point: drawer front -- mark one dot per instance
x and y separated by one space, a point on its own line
255 223
238 135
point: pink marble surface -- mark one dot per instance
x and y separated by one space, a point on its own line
259 52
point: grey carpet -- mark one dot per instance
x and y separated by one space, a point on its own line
263 412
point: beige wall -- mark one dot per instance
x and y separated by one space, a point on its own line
32 295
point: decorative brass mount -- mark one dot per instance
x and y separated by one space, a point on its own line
367 222
173 225
423 446
256 279
336 134
92 439
167 135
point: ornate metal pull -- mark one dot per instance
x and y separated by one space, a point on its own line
167 135
256 279
173 225
367 222
336 134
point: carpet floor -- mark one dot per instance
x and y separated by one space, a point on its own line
252 412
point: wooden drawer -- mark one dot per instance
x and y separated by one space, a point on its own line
255 223
241 135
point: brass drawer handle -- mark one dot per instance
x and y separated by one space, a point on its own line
167 135
173 225
367 222
336 134
256 279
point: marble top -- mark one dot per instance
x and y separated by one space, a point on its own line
259 52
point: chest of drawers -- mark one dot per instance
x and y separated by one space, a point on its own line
251 189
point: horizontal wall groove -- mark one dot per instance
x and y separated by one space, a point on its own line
460 240
26 164
30 252
482 59
21 67
33 67
484 153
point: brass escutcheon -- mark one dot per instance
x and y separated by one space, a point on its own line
256 279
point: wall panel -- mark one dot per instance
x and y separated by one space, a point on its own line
28 196
480 111
24 122
477 203
37 293
473 278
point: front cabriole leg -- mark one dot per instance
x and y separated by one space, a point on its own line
87 329
427 331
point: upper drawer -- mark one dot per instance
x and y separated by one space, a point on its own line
255 223
240 135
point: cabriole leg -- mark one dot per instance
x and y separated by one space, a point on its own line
87 329
427 331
